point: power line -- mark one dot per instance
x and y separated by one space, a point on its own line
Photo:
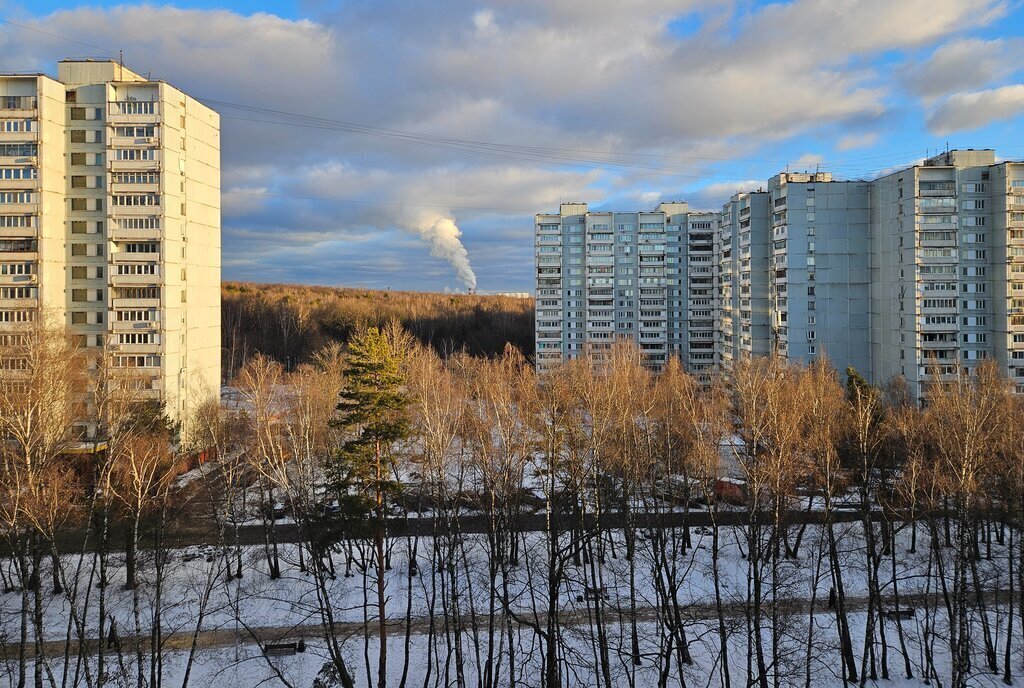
52 35
331 199
573 157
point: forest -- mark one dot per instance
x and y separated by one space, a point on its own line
385 515
291 322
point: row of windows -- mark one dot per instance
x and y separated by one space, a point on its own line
19 173
17 292
136 200
17 197
18 102
134 107
8 316
135 131
17 268
17 245
138 338
136 269
135 178
12 126
17 221
129 154
141 361
19 149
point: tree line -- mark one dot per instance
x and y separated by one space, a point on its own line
924 583
290 323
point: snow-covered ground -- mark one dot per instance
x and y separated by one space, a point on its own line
255 608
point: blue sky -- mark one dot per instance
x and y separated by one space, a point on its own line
440 128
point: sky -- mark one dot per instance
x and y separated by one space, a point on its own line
407 145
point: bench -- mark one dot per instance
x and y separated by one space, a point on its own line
592 594
902 613
284 649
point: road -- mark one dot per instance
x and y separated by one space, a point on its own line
185 535
224 637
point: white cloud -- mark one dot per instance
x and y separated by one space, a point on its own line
855 141
809 160
714 196
964 64
974 109
484 23
557 86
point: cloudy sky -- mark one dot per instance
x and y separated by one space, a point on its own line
362 137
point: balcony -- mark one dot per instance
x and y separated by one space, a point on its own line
19 184
117 211
115 233
134 141
144 326
19 136
937 327
126 257
122 188
137 348
18 160
17 232
19 280
943 345
19 209
19 303
134 165
133 112
134 280
19 107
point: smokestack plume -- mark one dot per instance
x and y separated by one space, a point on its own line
445 239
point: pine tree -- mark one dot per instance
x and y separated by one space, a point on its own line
373 411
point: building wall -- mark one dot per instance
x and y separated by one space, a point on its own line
820 270
32 184
129 223
647 276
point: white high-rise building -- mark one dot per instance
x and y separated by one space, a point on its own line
110 221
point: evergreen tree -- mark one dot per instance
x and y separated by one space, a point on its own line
373 411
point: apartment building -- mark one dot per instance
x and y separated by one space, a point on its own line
648 276
819 271
742 248
911 274
110 221
947 268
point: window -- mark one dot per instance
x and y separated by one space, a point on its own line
136 200
78 136
140 132
77 113
135 154
19 173
134 107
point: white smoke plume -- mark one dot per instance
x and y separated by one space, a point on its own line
444 237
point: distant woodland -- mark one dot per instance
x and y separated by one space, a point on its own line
290 322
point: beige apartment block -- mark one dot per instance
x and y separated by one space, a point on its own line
110 220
